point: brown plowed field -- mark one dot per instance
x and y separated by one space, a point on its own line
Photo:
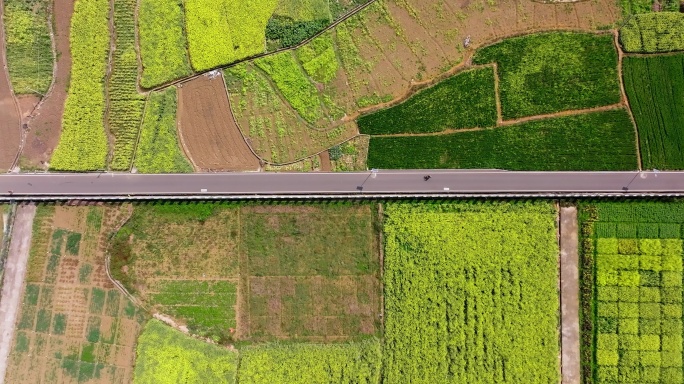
209 135
46 125
10 124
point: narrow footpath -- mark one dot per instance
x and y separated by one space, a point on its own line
569 282
15 272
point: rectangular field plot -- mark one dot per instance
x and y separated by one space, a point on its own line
73 326
471 293
312 272
632 252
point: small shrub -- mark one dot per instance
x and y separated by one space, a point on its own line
629 326
628 309
604 357
628 246
607 341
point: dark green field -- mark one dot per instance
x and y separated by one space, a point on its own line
655 87
551 72
595 141
465 100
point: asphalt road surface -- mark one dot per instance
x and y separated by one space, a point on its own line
380 182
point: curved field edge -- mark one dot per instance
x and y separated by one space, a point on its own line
165 355
592 141
460 288
83 144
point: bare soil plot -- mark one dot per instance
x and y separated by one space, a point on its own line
10 120
211 138
46 124
74 325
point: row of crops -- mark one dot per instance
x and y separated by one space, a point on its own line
125 104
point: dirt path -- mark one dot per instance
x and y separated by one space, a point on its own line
625 100
46 125
569 282
10 120
14 280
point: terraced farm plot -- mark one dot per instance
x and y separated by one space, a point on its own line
74 326
633 315
274 129
552 72
593 141
471 293
655 87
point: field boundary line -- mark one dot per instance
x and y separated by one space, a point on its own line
625 99
111 137
510 123
140 127
7 235
497 96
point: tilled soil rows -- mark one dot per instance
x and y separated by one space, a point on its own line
209 135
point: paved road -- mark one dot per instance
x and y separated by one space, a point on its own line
382 182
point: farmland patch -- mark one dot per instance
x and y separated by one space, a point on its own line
182 260
162 42
83 144
164 355
593 141
461 287
74 326
358 362
653 32
29 49
208 132
655 87
273 127
552 72
465 100
220 32
159 148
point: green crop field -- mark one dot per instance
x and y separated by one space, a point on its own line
162 42
349 363
594 141
159 149
551 72
466 100
471 293
655 87
165 355
83 143
653 32
319 59
632 291
28 45
125 104
225 31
